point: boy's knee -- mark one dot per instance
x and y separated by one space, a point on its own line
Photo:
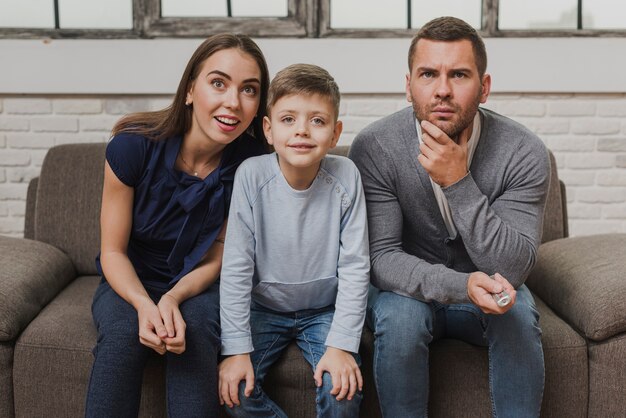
245 402
329 406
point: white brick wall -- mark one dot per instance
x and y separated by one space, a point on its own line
586 132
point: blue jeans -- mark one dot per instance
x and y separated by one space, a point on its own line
272 332
116 376
404 327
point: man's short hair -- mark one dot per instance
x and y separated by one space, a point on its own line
450 29
305 79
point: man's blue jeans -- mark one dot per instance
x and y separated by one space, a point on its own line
404 327
272 332
116 377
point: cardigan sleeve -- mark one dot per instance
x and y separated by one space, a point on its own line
393 269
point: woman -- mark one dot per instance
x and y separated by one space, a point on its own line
167 185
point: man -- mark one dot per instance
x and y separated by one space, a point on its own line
455 199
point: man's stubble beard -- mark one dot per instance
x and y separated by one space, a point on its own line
452 129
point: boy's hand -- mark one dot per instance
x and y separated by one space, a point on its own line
233 370
174 324
344 372
481 287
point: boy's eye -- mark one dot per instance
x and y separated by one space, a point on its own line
317 121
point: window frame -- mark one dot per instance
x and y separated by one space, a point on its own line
305 19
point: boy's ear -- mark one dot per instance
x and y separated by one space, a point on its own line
337 133
267 129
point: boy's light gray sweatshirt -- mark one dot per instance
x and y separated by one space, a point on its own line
290 250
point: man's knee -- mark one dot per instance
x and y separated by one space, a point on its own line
523 317
408 321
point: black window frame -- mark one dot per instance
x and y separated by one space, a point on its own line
305 19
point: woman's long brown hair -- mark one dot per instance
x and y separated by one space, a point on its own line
175 120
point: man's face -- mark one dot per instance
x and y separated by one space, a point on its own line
444 85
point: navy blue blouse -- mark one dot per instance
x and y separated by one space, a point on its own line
176 216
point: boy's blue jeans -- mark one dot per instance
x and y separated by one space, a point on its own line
116 376
272 332
404 327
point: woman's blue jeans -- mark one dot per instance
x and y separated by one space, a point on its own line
272 332
116 376
404 327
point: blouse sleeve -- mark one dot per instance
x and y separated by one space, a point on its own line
126 155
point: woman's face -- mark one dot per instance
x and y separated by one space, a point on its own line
225 96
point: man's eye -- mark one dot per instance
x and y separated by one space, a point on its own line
427 74
459 75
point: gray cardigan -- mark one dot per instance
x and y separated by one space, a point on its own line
497 208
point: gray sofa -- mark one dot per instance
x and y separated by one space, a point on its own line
46 331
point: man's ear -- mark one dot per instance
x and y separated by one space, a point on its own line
409 98
267 129
485 88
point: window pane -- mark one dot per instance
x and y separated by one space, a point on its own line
194 8
26 14
604 14
423 11
388 14
538 14
271 8
96 14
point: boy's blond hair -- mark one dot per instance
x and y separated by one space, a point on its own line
305 79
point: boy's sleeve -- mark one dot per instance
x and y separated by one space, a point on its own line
353 273
237 271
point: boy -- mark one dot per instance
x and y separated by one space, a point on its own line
296 263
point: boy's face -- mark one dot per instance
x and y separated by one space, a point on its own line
302 128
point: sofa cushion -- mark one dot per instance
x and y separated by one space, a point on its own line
578 279
607 378
58 344
6 379
67 212
31 274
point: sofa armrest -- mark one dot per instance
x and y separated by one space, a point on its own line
583 280
32 273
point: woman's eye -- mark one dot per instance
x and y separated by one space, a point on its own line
249 90
217 83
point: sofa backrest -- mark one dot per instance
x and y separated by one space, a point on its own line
67 208
63 204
